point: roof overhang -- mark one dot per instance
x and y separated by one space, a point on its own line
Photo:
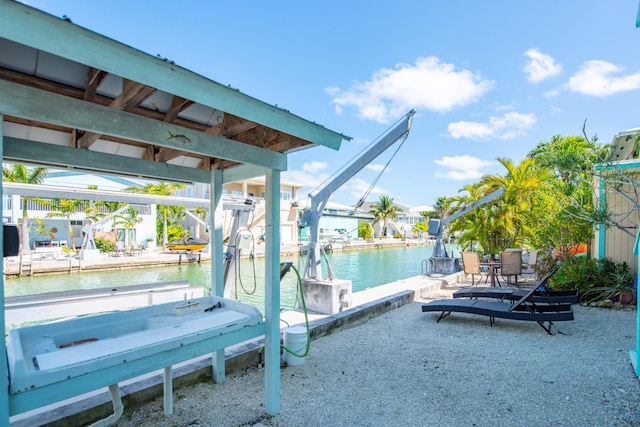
623 145
75 98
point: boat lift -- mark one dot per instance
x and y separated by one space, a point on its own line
331 296
440 262
240 239
89 249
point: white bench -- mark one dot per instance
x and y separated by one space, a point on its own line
48 251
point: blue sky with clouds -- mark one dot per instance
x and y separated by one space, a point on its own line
487 79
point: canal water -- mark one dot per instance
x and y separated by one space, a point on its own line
366 269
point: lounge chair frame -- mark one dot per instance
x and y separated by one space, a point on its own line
523 309
543 293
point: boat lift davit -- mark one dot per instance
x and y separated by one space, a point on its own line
440 261
330 296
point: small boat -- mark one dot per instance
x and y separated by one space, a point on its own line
189 244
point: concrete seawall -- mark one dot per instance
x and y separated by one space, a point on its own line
38 263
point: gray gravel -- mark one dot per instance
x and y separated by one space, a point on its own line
404 369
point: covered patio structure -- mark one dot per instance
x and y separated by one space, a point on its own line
71 98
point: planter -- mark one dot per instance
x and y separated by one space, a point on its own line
626 298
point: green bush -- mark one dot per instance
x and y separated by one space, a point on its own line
105 246
596 279
365 231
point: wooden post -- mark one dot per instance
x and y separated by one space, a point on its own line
4 370
635 354
216 220
272 294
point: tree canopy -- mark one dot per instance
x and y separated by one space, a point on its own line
547 201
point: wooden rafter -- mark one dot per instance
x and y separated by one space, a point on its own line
95 78
178 104
132 95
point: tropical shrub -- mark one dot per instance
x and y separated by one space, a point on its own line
596 279
365 230
105 245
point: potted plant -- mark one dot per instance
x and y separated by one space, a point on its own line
150 243
623 282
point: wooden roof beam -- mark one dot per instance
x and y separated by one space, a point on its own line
132 95
178 104
95 78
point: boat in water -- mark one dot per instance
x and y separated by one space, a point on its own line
191 244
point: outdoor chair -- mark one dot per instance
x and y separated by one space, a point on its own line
511 265
471 265
120 248
136 248
543 293
529 266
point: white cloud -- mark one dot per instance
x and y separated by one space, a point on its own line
461 168
602 78
376 167
310 175
510 125
540 66
314 166
551 94
427 85
358 187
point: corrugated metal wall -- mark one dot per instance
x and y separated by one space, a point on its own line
618 244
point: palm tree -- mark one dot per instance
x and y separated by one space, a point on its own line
65 208
521 183
441 206
497 224
200 213
129 220
384 211
165 212
24 175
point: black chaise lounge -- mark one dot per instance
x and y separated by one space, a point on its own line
523 309
542 294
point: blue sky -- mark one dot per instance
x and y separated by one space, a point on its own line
487 79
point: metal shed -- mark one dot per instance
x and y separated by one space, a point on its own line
71 98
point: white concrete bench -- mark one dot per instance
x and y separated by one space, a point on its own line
48 251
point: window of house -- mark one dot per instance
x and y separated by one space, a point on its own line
285 195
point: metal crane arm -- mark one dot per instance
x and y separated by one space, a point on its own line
311 217
439 251
400 131
87 241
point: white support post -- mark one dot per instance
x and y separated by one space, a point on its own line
4 374
217 269
272 294
635 354
168 390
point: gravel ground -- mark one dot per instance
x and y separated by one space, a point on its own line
404 369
